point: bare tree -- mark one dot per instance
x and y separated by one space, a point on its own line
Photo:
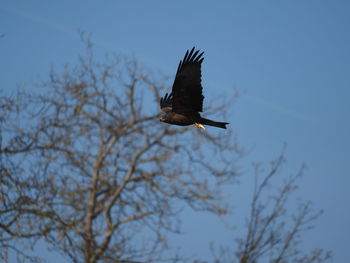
273 234
87 166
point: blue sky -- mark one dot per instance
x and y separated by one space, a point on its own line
291 59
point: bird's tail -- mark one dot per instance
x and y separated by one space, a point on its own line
213 123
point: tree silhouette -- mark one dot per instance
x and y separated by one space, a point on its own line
87 167
273 234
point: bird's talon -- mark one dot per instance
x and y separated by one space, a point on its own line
199 126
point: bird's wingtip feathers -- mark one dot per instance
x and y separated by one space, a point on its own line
191 56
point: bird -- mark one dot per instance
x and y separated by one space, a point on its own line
185 102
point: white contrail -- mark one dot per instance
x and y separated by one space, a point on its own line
37 19
281 109
72 32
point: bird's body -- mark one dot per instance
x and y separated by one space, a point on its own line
180 119
184 103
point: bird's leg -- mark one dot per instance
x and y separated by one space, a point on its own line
199 126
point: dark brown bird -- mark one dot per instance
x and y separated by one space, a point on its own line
183 104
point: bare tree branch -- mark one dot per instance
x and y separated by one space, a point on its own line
272 234
87 167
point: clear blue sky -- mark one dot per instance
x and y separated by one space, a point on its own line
291 58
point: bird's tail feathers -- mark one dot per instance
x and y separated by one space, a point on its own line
213 123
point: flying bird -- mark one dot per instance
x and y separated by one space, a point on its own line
183 104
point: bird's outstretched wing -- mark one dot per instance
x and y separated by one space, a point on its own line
166 103
187 88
